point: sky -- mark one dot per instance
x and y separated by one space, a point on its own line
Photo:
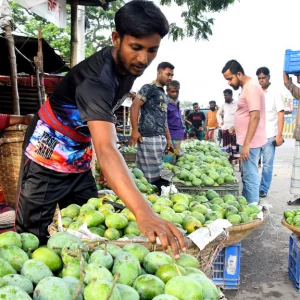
254 32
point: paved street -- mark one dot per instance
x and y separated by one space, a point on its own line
265 251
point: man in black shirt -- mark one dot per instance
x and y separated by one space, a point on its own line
59 152
196 120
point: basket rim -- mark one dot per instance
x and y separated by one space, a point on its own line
296 230
246 226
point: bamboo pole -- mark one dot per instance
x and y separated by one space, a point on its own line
13 69
38 83
41 65
74 33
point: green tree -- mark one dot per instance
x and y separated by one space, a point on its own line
196 23
102 22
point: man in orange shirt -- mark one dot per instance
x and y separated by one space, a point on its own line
211 122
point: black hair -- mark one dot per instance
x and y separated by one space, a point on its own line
164 65
234 67
212 102
140 18
195 103
174 84
192 134
263 70
227 91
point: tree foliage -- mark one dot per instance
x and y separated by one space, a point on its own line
98 27
100 23
196 23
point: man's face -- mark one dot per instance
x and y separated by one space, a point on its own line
135 54
173 93
233 79
227 97
164 77
196 108
212 106
264 80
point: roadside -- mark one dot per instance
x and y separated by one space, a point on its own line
265 252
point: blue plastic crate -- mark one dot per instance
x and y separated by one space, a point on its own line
294 260
292 62
227 267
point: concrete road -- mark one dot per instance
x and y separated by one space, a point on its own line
265 252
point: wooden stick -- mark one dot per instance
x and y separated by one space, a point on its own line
74 34
41 65
13 69
117 276
174 260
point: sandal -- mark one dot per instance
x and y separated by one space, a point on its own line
295 202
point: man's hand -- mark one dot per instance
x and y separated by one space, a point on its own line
231 130
169 144
222 124
135 137
200 128
151 225
279 140
245 153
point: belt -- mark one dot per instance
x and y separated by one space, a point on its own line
47 115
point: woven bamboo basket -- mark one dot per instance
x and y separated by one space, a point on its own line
296 230
222 190
11 141
207 256
129 157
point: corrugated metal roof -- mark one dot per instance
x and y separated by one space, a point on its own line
28 100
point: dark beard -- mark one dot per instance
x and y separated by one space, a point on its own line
121 63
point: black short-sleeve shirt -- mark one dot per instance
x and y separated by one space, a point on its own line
197 118
94 88
153 117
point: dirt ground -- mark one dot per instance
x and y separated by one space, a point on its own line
265 252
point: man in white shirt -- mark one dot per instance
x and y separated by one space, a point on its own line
225 117
274 126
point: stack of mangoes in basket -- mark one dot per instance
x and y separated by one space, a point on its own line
68 268
105 217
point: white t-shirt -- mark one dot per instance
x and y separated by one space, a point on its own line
274 104
226 114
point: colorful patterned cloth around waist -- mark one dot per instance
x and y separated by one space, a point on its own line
57 146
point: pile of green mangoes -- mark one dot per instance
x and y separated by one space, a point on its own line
191 212
185 211
68 268
292 217
129 149
138 176
203 164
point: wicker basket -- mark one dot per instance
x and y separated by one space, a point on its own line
222 190
129 157
296 230
11 141
207 256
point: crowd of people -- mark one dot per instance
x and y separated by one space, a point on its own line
56 167
251 128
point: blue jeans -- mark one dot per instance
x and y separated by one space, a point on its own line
250 176
268 154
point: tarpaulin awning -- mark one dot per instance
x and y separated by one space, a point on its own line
26 49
